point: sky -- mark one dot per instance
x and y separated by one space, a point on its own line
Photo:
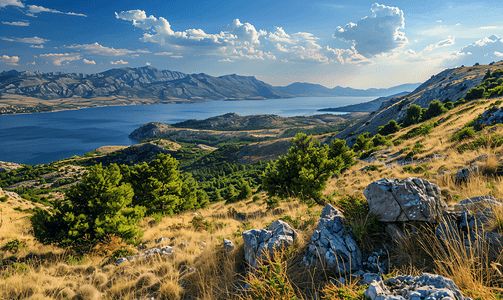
333 43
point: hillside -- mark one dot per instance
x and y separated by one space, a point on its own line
35 92
447 86
232 127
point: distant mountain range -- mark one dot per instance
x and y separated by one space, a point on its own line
145 82
37 91
302 89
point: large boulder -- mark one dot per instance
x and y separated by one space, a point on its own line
258 243
334 244
412 199
427 286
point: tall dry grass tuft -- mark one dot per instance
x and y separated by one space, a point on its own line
468 262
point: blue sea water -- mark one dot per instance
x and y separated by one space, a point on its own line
45 137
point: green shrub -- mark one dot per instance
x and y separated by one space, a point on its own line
464 133
256 198
435 108
356 211
413 115
271 202
4 198
423 129
391 127
14 245
363 142
379 140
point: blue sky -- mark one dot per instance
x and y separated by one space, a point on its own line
360 45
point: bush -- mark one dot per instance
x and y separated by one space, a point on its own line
465 133
391 127
435 108
363 142
356 211
423 129
475 93
379 140
14 245
413 115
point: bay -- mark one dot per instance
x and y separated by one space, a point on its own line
46 137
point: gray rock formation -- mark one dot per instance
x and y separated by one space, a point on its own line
427 286
332 243
258 243
491 116
412 199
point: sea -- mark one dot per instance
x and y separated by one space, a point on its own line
41 138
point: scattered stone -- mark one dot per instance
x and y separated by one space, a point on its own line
333 244
160 240
412 199
228 245
427 286
121 260
258 243
464 174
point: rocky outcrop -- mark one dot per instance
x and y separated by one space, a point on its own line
491 116
333 244
260 243
412 199
427 286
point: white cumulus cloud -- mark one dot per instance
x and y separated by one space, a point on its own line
37 46
482 51
89 62
17 23
10 60
4 3
377 33
101 50
59 58
119 62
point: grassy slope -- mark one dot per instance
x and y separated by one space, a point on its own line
59 275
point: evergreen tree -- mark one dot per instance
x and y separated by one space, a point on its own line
363 142
100 205
338 148
303 172
435 108
413 115
391 127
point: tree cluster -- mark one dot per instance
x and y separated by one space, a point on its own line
112 200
